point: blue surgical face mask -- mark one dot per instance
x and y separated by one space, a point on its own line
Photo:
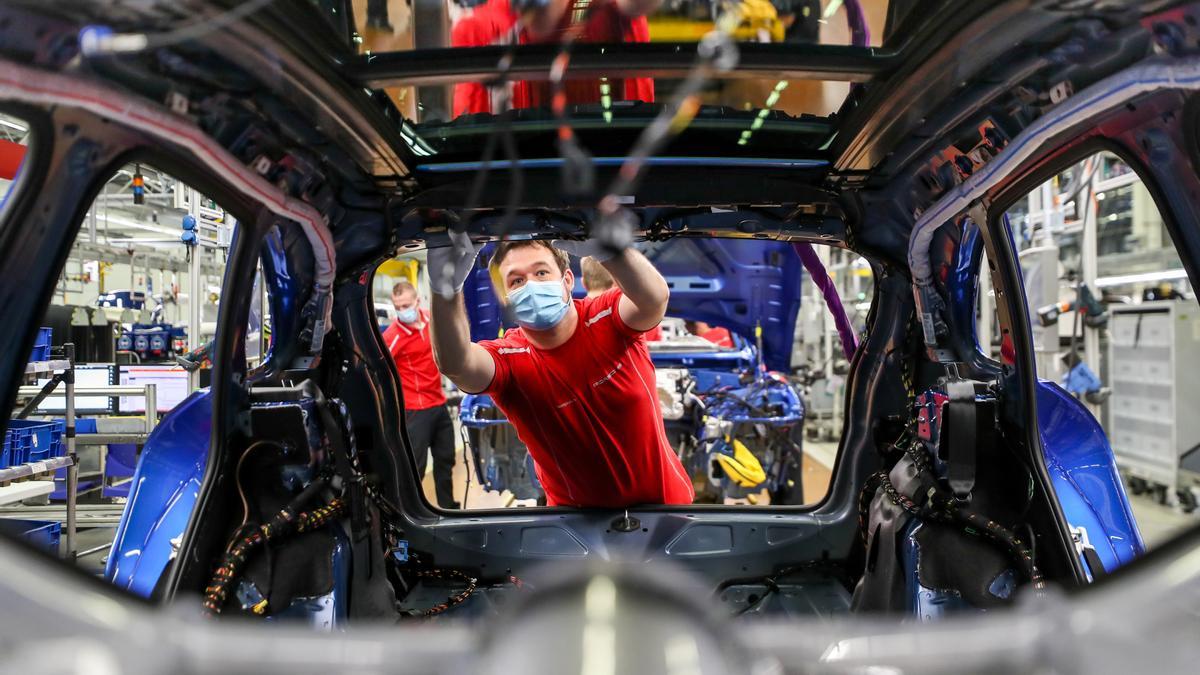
408 315
539 305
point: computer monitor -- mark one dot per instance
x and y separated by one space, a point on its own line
86 375
171 381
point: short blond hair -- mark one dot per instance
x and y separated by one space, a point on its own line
402 287
595 277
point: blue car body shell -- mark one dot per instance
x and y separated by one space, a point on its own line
162 496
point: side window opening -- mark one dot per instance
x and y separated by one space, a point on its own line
1115 326
131 317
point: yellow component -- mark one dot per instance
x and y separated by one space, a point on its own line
498 283
758 330
260 607
400 269
676 29
753 20
759 19
744 468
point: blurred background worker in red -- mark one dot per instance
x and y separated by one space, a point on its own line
714 334
596 280
497 22
429 426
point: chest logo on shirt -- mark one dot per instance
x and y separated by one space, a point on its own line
513 350
608 376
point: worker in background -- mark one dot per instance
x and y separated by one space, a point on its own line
429 427
715 334
575 378
597 280
504 22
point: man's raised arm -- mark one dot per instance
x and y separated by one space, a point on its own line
644 292
469 366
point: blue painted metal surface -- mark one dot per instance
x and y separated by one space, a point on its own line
162 495
471 411
734 283
1084 473
484 310
737 284
962 286
283 293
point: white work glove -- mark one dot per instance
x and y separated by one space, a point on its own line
449 266
608 238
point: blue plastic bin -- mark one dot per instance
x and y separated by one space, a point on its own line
6 454
41 346
30 441
43 534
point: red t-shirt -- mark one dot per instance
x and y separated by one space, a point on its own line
413 354
719 337
654 334
492 22
589 412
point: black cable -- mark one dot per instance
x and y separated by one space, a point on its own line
772 587
466 467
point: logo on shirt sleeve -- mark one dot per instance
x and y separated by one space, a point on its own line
599 315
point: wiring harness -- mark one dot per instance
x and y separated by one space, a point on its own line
941 507
469 585
287 522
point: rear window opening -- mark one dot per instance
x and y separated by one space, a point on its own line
751 388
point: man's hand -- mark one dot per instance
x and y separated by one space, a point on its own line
587 249
449 266
644 291
609 237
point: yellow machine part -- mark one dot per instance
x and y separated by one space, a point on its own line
744 468
400 269
758 19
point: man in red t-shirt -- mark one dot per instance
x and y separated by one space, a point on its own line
575 379
429 427
717 335
609 21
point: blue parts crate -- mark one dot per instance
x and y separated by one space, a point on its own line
41 345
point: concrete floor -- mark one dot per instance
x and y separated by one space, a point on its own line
1159 523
